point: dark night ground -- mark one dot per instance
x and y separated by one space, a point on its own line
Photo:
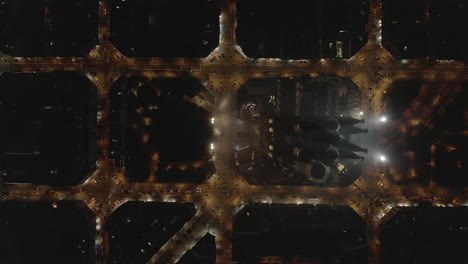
442 36
165 28
50 137
138 229
260 29
311 231
180 131
449 122
67 28
36 232
424 234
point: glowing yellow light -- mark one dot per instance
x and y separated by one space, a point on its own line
145 138
340 167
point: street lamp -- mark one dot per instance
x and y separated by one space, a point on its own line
382 158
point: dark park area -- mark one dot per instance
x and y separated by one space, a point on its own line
426 137
157 133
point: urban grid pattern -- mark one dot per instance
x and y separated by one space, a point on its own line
224 194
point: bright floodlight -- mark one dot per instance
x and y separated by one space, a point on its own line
383 119
212 120
382 158
361 113
211 146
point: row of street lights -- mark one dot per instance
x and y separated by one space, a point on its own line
382 157
381 119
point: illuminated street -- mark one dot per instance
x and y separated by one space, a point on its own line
225 193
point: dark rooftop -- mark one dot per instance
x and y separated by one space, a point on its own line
138 229
425 235
204 252
306 230
51 133
425 28
35 28
301 29
166 28
46 232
